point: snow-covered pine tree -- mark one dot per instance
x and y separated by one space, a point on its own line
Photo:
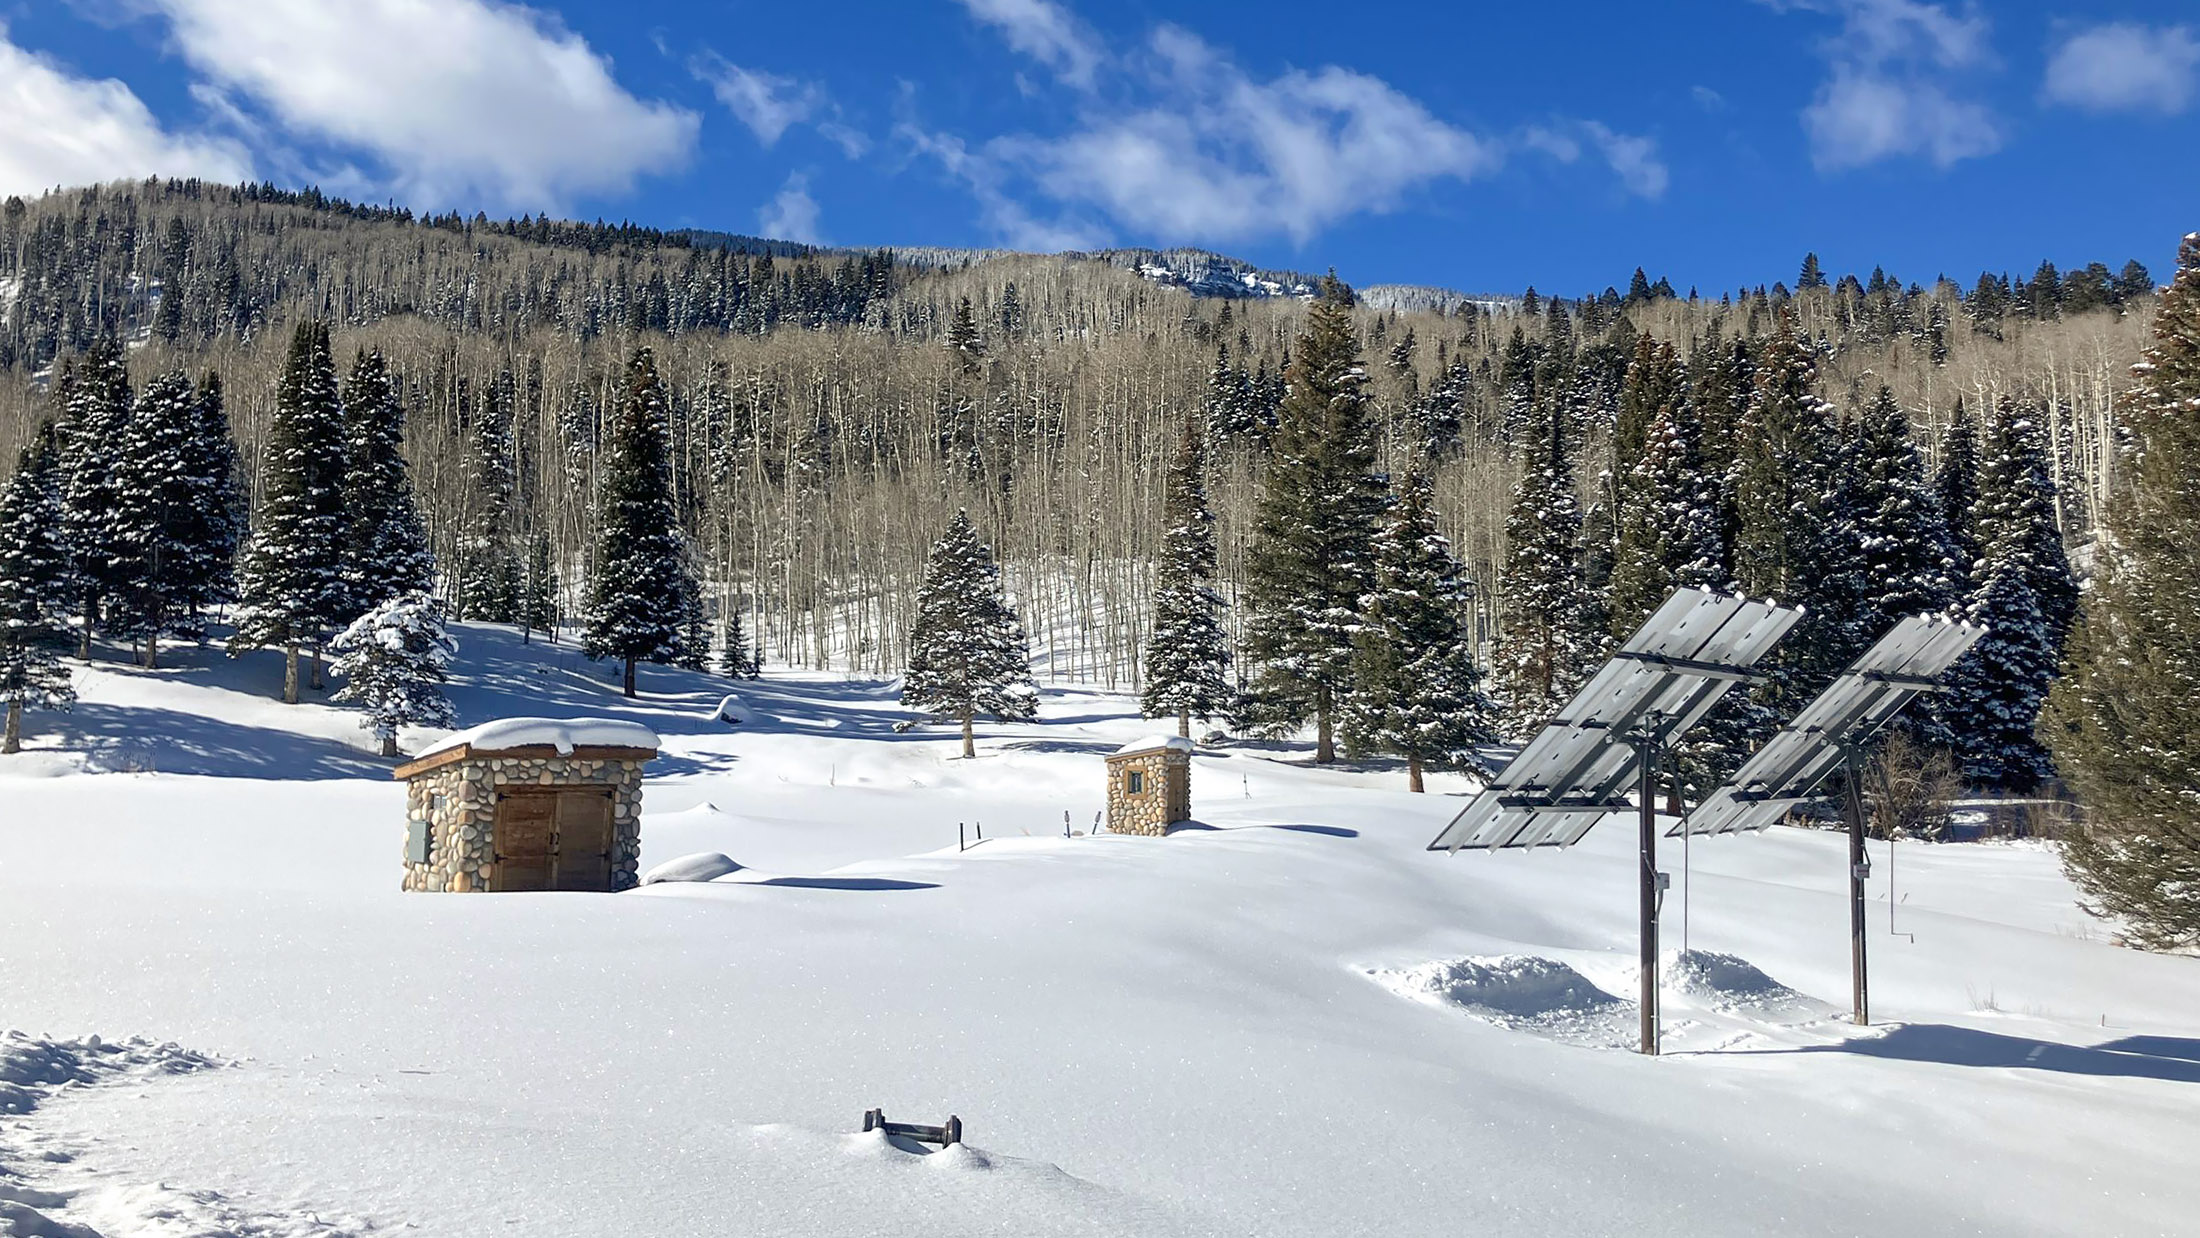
2120 719
538 592
35 590
1312 554
736 658
216 521
2017 487
967 651
156 497
1670 537
1909 560
964 340
1516 387
2021 588
1438 417
290 582
1544 641
641 568
96 406
488 569
693 653
386 554
1955 483
1416 691
394 660
1795 535
1188 655
1653 384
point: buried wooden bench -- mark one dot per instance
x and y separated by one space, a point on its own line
944 1136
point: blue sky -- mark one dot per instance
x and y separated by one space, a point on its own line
1483 146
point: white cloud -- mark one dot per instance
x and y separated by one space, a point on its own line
1860 118
62 129
1045 31
1632 158
2126 67
766 102
1889 90
792 215
1218 156
453 98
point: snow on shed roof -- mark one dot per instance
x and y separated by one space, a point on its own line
1152 742
563 734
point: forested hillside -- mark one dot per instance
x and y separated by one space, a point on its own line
829 412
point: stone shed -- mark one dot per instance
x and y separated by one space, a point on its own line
527 804
1150 785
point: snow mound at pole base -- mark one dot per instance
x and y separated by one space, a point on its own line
1522 992
1731 983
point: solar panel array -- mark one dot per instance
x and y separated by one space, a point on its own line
1908 660
1663 681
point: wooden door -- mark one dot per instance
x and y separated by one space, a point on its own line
525 830
584 840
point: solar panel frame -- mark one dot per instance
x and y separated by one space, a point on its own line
1782 775
1662 682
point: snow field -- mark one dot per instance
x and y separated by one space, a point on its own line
1143 1036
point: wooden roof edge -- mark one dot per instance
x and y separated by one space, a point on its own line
525 752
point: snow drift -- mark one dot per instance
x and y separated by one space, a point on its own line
1523 992
563 734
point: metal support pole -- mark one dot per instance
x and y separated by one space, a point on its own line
1859 868
1647 752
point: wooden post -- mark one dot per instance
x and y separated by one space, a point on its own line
1859 868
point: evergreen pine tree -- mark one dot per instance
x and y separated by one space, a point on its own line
693 650
1795 536
489 570
1416 692
538 595
96 407
1314 528
2017 488
1956 483
35 590
2023 592
393 661
736 659
967 651
1671 537
1908 558
964 341
290 582
216 519
387 553
1544 641
1188 655
156 500
2120 720
641 561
